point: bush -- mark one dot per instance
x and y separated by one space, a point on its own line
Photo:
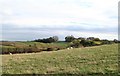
86 43
50 49
15 50
96 39
106 42
48 40
75 43
115 41
69 38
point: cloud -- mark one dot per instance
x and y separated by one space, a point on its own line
67 15
29 33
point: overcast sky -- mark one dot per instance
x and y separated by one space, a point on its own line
33 19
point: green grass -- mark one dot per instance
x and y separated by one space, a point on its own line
15 47
98 60
39 44
97 42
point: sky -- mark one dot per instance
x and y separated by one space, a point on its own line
33 19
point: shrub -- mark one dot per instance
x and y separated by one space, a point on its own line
48 40
115 41
75 43
50 49
86 43
106 42
69 38
96 39
15 50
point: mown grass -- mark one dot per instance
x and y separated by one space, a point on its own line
98 60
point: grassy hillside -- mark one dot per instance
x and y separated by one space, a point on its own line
38 44
97 60
28 47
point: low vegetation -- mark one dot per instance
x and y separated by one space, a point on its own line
89 61
50 44
29 47
78 56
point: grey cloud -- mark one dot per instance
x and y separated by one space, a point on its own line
12 32
10 27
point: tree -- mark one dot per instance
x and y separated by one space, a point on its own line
48 40
75 43
105 41
90 38
55 38
81 38
69 38
87 43
96 39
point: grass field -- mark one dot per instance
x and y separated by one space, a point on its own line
38 44
22 47
94 61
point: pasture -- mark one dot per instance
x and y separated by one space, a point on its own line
92 61
29 47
